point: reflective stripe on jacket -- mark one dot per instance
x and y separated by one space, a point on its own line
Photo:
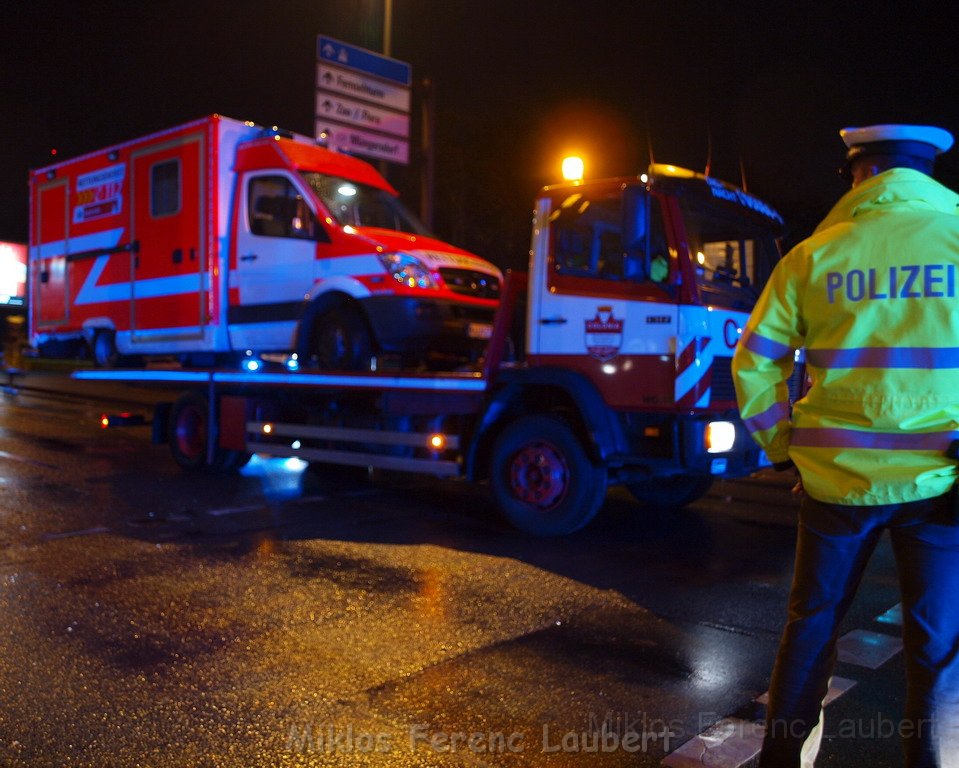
873 296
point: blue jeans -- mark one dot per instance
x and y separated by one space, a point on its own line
834 545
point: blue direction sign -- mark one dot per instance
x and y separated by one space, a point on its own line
369 62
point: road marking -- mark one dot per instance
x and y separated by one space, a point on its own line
308 500
235 510
361 492
227 511
71 534
24 460
867 649
892 616
729 743
733 742
837 687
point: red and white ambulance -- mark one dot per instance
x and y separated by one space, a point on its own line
220 236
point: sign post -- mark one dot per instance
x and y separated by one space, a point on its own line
362 101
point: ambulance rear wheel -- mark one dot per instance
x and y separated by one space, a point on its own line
104 346
675 491
542 479
341 340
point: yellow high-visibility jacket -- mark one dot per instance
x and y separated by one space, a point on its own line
873 296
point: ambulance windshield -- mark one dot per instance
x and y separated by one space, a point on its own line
361 205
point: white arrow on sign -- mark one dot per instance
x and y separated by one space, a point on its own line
343 110
358 86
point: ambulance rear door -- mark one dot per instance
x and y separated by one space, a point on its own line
48 260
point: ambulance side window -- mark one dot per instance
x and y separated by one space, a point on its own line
276 208
165 188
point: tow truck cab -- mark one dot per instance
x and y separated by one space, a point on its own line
639 290
633 280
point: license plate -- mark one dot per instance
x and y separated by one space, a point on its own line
479 330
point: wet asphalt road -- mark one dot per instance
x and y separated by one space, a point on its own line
284 618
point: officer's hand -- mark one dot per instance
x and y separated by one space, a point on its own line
798 491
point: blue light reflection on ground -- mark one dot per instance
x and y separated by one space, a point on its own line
280 479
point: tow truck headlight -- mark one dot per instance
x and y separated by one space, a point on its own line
407 270
720 436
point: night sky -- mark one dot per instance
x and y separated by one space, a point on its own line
517 84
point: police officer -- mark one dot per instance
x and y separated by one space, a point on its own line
872 297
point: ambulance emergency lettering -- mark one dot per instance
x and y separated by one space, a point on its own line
909 281
99 194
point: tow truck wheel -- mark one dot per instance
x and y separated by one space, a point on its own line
675 491
542 479
187 432
104 346
341 340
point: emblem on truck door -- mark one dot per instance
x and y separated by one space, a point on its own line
604 334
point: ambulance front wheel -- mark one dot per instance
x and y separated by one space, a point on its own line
542 478
341 340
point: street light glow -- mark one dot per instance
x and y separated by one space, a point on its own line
573 168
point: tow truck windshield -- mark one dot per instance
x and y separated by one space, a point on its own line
733 249
362 205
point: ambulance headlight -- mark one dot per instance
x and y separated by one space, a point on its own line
720 436
408 270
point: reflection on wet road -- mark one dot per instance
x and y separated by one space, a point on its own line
294 616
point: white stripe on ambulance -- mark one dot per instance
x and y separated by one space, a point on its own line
108 238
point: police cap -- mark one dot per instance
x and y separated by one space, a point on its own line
922 141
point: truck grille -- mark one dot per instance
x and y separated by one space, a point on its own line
471 283
722 381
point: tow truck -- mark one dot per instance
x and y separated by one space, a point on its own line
608 363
